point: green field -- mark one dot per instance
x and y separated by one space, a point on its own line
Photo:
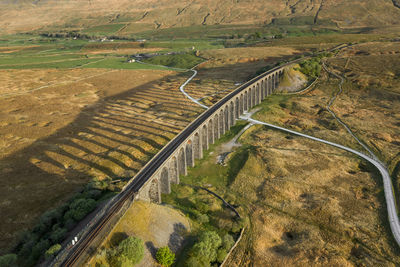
104 29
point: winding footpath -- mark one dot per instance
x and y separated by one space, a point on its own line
387 182
338 119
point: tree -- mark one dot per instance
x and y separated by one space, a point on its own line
165 256
206 249
58 234
52 250
8 260
227 242
221 254
79 208
129 252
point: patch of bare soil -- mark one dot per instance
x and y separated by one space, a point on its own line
292 80
156 225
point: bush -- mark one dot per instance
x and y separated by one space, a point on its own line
311 67
79 208
227 242
221 254
205 251
52 251
58 234
129 252
8 260
202 218
165 256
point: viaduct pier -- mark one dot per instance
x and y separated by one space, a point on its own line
171 162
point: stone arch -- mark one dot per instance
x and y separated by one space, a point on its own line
204 138
273 82
189 154
245 101
257 94
196 145
254 96
226 118
210 133
221 122
154 191
278 75
237 108
262 90
270 84
231 114
173 171
164 181
250 98
216 127
241 110
182 162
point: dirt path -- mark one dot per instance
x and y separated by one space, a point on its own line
387 182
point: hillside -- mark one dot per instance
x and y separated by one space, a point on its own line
124 17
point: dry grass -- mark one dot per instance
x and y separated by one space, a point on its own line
140 15
59 138
87 123
310 205
156 225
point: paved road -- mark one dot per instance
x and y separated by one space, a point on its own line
387 182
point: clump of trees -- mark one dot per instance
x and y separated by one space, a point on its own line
165 256
312 67
209 249
52 227
8 260
129 252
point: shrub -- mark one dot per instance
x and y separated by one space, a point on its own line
52 251
58 234
79 208
227 242
221 254
311 67
195 262
206 249
202 218
8 260
165 256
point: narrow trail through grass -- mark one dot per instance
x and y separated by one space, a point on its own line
387 182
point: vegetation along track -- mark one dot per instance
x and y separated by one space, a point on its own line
137 182
131 190
387 182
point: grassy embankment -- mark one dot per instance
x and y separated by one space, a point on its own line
295 196
206 212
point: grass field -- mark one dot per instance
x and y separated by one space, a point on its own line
74 110
309 203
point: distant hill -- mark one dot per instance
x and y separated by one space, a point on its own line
132 16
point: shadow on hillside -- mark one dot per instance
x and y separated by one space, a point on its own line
113 138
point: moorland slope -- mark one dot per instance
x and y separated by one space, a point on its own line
131 16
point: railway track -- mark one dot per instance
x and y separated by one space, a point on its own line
137 182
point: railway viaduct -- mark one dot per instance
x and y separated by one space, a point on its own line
171 162
206 134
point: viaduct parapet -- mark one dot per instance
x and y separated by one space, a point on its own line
171 163
230 108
